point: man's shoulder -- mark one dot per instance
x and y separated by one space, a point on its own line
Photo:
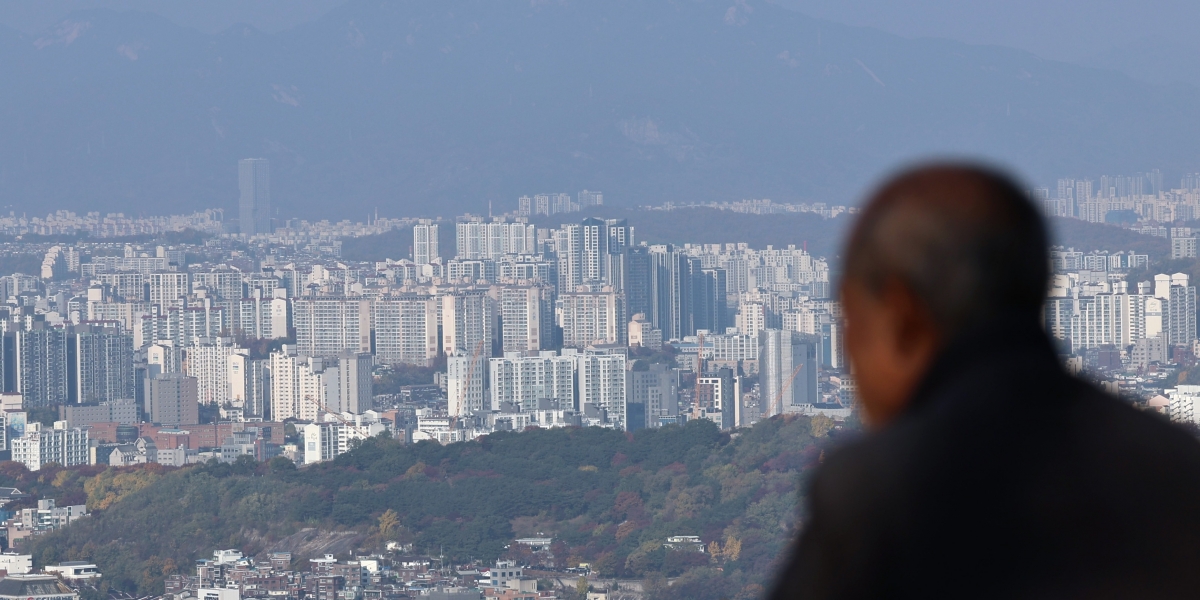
874 468
1074 419
1099 420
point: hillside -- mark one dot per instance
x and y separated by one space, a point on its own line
607 498
1086 237
427 107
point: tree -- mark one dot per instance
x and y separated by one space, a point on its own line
821 425
388 522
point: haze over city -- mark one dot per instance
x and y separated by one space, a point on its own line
466 299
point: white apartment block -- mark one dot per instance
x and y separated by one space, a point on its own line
425 242
602 383
524 380
525 317
468 322
42 445
128 314
297 389
568 246
327 326
465 381
751 318
263 318
167 287
304 387
165 356
130 287
226 284
180 326
590 319
1184 404
479 240
208 361
248 387
406 329
733 347
1088 315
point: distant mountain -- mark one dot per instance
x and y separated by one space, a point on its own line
437 106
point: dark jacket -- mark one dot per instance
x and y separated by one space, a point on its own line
1006 478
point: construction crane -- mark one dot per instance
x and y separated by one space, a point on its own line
779 397
699 373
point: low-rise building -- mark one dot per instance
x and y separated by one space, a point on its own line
75 571
62 445
14 563
49 516
326 440
36 587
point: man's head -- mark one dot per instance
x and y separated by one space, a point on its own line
937 250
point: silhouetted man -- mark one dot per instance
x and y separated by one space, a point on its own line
987 471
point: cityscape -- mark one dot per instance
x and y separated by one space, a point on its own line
266 345
508 300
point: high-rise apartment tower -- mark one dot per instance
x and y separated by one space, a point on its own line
254 185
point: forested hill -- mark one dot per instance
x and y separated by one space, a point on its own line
608 498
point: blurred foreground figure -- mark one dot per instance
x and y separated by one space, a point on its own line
988 471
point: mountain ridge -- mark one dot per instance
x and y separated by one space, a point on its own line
402 104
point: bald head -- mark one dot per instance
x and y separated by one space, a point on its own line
963 239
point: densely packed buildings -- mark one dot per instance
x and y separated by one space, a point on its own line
212 345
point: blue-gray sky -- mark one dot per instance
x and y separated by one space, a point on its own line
404 105
1152 40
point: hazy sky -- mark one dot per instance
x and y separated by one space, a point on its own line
209 16
1150 39
1060 29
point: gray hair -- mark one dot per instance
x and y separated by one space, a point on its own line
963 238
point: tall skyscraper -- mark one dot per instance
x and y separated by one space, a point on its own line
425 242
635 280
248 388
468 323
40 364
354 384
787 370
1181 311
593 251
600 379
710 307
651 396
568 247
526 318
99 364
207 360
674 279
465 382
254 186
